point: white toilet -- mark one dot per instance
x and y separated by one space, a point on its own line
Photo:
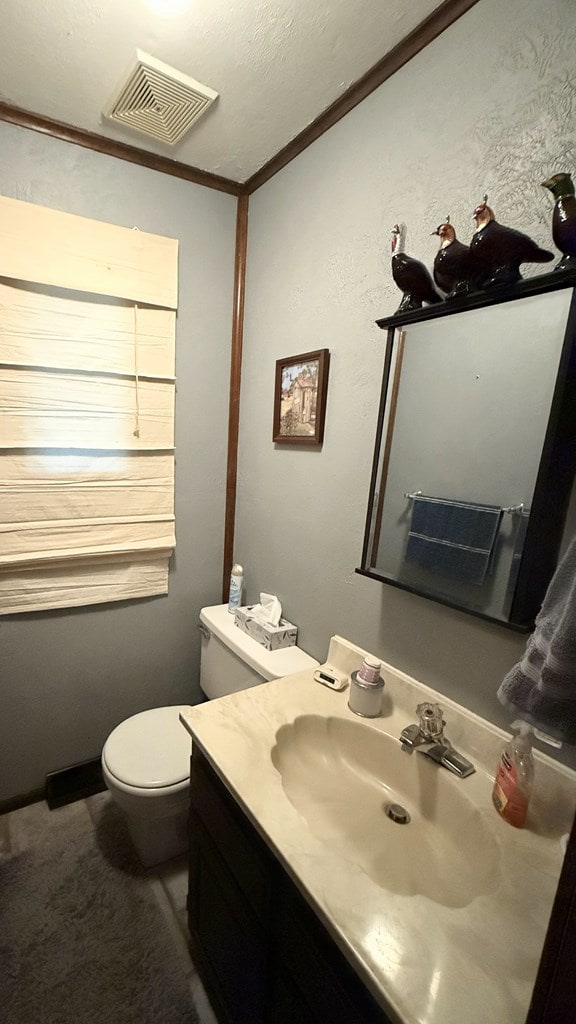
146 759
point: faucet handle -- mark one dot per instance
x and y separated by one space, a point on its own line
431 721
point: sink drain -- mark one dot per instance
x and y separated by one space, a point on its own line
397 813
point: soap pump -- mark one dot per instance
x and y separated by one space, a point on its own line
515 776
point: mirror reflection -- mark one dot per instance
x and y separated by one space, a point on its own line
467 436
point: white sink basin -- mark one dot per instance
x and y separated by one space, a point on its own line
341 775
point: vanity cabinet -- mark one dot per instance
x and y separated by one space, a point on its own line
262 953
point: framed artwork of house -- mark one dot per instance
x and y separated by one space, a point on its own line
300 398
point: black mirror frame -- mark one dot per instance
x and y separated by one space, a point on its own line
557 466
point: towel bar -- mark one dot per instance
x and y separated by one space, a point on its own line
511 510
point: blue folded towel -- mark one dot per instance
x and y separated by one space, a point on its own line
454 539
542 686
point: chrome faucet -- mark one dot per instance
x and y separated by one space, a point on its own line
428 738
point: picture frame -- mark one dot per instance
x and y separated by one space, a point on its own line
301 385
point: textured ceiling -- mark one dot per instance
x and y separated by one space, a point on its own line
276 64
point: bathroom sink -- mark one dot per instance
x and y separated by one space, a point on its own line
343 775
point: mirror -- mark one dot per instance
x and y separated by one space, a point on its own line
475 450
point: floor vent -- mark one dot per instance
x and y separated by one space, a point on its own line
74 783
159 101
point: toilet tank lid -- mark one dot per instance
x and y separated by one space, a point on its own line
150 750
268 664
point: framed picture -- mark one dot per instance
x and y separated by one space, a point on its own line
300 398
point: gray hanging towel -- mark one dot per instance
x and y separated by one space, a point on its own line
454 539
542 687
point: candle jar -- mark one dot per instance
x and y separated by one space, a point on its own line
366 689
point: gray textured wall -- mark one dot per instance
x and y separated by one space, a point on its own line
490 106
68 677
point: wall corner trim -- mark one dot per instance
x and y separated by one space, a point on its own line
235 377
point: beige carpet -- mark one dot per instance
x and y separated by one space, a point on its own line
82 939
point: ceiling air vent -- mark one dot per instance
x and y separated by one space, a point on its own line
159 101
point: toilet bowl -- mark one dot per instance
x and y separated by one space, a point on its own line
146 759
146 767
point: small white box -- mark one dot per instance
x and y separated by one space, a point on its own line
272 638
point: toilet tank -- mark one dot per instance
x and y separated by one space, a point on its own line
232 661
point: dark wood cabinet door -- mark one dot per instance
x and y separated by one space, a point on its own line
244 852
287 1006
263 954
229 945
328 988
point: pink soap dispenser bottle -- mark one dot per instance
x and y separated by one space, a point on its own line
515 776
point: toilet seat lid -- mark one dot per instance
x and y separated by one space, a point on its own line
150 750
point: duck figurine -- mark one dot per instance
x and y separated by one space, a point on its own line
563 219
498 251
453 265
412 277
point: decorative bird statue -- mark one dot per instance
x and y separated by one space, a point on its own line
453 264
563 219
498 251
411 276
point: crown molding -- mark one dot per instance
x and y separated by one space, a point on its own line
440 19
110 147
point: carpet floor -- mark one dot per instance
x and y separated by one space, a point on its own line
82 938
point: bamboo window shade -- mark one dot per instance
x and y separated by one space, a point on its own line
87 354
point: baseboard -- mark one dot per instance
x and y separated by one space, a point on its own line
14 803
74 783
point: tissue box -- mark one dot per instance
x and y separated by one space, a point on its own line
272 638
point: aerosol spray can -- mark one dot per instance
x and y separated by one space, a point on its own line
236 581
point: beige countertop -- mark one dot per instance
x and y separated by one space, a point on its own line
425 961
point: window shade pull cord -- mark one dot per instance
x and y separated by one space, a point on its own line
136 431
